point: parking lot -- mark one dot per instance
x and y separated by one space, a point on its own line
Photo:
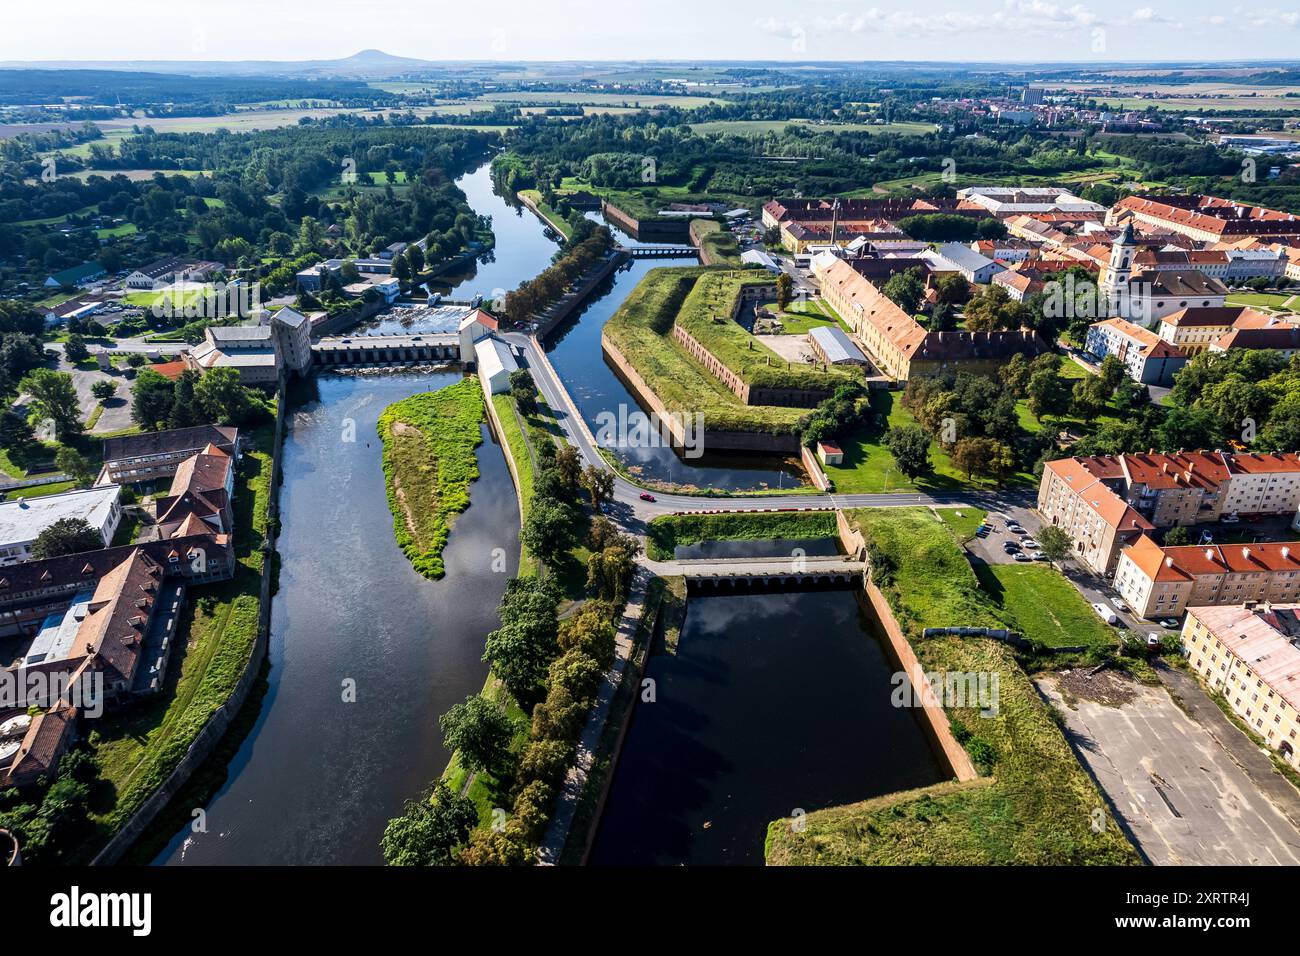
1186 793
994 547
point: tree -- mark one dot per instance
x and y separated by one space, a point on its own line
569 464
906 289
1015 374
479 733
524 645
53 397
16 434
72 463
523 390
104 389
1088 398
983 456
910 446
1054 542
599 484
1048 392
66 536
609 570
221 397
1177 535
548 528
1112 373
401 268
151 400
75 349
430 829
784 290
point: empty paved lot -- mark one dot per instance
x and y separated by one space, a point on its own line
1181 795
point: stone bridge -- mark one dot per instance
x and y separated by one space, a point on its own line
720 574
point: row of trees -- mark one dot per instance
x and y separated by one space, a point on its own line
217 397
536 294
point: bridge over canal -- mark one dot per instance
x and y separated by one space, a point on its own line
343 350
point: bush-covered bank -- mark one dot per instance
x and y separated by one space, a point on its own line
429 462
667 532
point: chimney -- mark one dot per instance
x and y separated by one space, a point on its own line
1209 554
1245 553
1286 552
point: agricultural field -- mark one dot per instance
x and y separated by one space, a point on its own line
759 127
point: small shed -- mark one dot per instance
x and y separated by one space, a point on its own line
830 453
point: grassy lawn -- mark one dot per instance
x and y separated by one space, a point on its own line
429 462
666 532
137 748
640 330
1032 804
802 315
1267 300
1043 603
517 449
715 242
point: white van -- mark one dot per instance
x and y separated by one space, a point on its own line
1105 613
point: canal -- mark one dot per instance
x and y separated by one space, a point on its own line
772 703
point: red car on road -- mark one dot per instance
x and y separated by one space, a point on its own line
646 496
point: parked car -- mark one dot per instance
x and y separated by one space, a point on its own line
1168 623
1121 606
1021 556
1029 543
1015 528
1230 519
1106 613
1038 556
646 496
1010 546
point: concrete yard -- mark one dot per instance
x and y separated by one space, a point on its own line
1180 793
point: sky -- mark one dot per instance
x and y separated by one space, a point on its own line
1011 30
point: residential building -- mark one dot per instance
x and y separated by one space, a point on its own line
23 519
1205 218
149 456
1163 582
1194 330
832 346
901 347
31 744
1249 654
1261 332
1104 501
1078 495
199 500
1147 358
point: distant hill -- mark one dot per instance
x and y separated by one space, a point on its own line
366 65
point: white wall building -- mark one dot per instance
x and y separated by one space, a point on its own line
23 519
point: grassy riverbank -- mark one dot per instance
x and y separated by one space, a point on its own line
429 463
1032 805
137 749
666 532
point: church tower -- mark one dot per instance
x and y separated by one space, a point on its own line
1120 269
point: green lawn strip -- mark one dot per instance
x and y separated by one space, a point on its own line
552 214
40 491
485 790
666 532
640 331
1267 300
137 749
803 315
517 449
716 242
429 462
1032 805
1045 605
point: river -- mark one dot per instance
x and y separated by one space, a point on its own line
317 779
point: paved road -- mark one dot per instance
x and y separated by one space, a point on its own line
1178 792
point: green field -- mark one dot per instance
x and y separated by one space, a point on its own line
666 532
802 315
1278 301
1043 603
1032 803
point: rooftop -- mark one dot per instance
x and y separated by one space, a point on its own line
23 519
1262 638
